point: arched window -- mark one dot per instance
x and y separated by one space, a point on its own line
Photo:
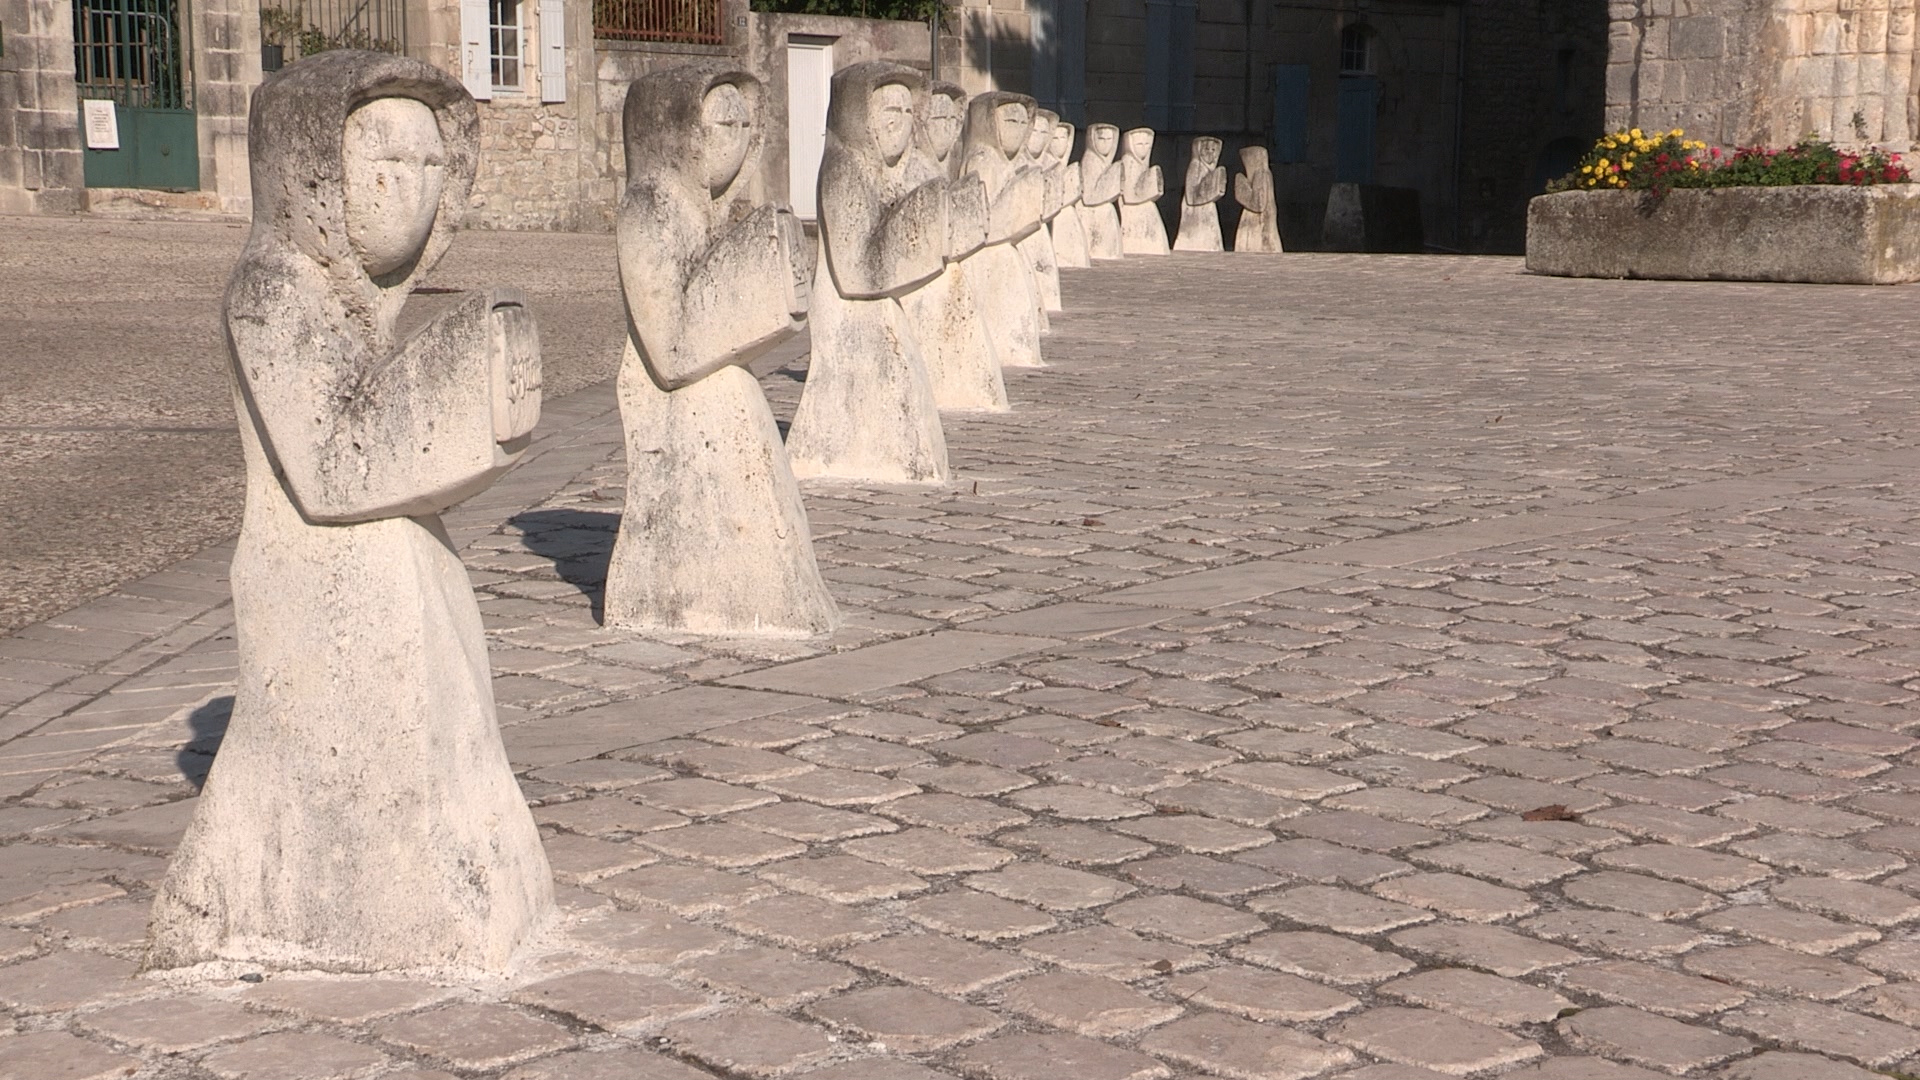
1356 49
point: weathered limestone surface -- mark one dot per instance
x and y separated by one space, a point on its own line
362 815
1259 229
714 539
1101 179
997 128
1827 234
1141 230
961 362
1199 204
1038 244
1069 225
1747 72
868 412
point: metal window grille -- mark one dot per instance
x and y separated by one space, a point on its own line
128 51
696 21
504 42
304 27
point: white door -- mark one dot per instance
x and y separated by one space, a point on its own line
809 80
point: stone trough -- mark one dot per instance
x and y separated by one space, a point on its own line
1820 234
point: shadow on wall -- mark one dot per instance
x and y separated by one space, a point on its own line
580 543
207 725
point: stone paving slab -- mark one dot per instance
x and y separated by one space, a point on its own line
1358 667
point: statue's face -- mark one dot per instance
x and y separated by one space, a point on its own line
1011 124
1103 139
943 125
1062 142
1254 158
729 129
396 167
1207 150
1140 143
1039 133
890 118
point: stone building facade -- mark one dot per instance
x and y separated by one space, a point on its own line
178 73
1746 72
1469 103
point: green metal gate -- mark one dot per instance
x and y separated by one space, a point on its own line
129 52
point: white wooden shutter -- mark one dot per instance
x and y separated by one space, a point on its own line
553 50
476 55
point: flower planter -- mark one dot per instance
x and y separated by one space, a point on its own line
1835 235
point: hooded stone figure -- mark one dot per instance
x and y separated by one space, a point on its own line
959 356
1259 229
998 126
1038 245
868 411
1141 230
714 539
1199 210
361 815
1101 178
1069 225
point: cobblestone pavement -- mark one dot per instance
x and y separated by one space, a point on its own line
1353 667
118 454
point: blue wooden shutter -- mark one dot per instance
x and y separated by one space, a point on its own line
1290 83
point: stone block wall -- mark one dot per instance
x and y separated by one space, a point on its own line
225 46
40 141
1743 72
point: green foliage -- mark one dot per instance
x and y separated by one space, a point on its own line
917 10
1658 162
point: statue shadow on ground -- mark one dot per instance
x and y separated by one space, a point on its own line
580 543
207 725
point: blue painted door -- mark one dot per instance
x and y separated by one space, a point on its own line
1359 104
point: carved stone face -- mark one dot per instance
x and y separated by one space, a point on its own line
890 118
1102 140
1038 135
1207 150
1011 123
943 125
729 130
395 166
1140 143
1062 142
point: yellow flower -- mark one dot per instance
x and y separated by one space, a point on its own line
1635 133
1627 165
1676 133
1601 164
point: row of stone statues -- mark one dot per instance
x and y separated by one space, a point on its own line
361 814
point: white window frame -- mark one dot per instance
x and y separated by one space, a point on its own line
496 57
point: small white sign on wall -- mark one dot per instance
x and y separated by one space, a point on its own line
103 125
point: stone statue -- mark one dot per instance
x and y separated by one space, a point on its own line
1141 230
998 126
1101 178
868 411
361 815
954 345
1038 245
714 539
1253 189
1069 226
1206 186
